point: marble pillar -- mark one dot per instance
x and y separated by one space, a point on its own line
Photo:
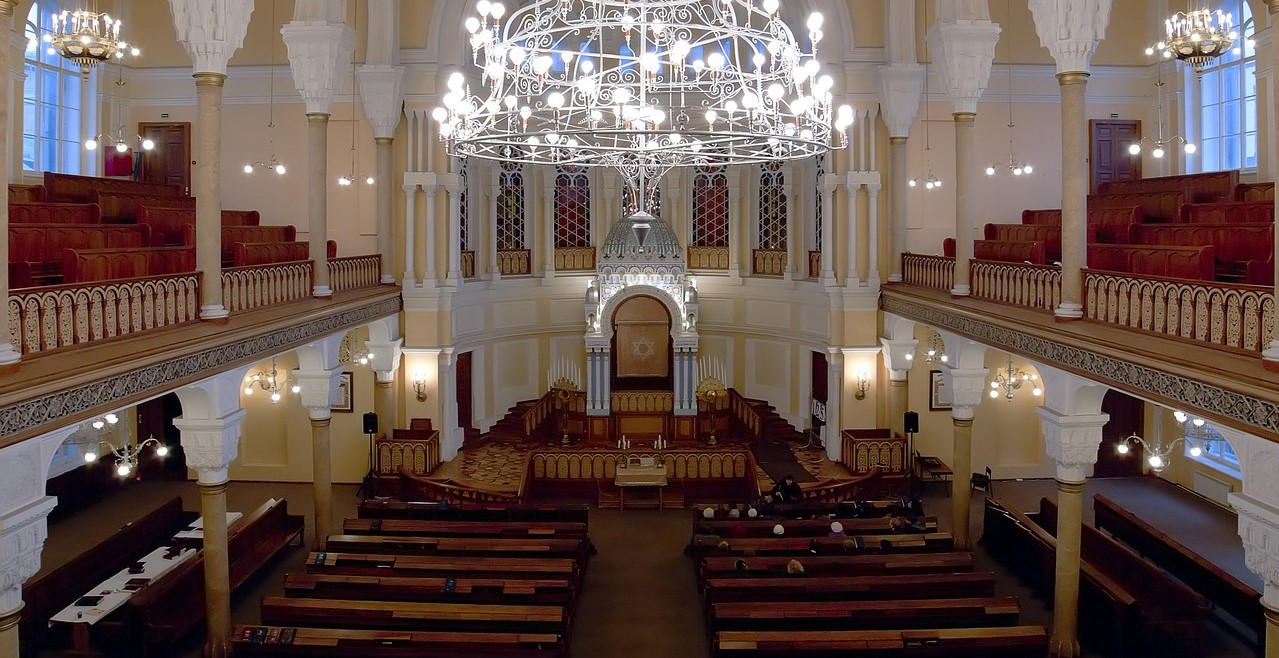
1074 193
322 478
385 204
9 354
966 206
317 142
208 193
897 202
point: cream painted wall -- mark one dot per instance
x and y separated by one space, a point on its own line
1182 469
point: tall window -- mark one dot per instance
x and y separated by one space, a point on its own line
1215 451
510 207
821 174
572 208
51 134
464 210
710 207
772 207
1228 100
653 200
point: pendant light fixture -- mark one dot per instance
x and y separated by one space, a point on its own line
932 182
349 178
1015 167
271 163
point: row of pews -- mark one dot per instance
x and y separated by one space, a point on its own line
1128 606
76 229
162 610
876 588
1197 226
421 579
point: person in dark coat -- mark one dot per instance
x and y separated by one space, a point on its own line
787 491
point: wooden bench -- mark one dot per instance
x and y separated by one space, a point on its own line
1201 188
391 615
1235 244
1048 235
463 528
1246 212
172 224
1009 642
20 275
84 265
800 587
25 193
398 509
124 208
42 244
162 613
1255 192
708 545
1156 206
72 188
463 590
810 527
1108 225
1009 252
292 641
54 213
1193 263
268 253
57 588
429 566
865 615
839 565
573 547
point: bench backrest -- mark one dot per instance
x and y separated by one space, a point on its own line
25 193
1233 242
419 545
1194 263
1012 252
808 528
54 213
415 527
278 641
266 253
1050 236
1156 206
124 208
869 615
461 590
70 188
845 565
850 588
1104 224
42 243
1006 642
1243 212
177 225
1255 192
20 275
417 616
1205 187
430 566
82 265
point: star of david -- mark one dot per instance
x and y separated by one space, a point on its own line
643 348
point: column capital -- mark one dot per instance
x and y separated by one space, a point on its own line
382 94
898 356
211 32
317 49
968 388
1259 530
22 534
965 50
210 445
410 188
873 189
1071 30
1071 441
384 358
1273 7
901 86
317 390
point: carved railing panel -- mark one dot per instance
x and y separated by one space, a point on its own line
814 264
514 262
354 272
708 258
745 415
647 402
255 286
51 317
680 464
770 262
936 272
1035 286
571 259
417 456
1232 316
468 264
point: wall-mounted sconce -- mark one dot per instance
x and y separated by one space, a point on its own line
863 385
419 385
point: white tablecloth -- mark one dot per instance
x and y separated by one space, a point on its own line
196 529
112 590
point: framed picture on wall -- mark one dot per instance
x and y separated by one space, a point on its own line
939 396
343 400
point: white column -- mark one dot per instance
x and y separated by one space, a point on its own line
1259 528
454 276
898 355
901 85
598 387
1270 356
854 279
9 354
796 254
384 361
548 224
427 240
827 186
450 434
739 253
685 386
872 274
317 387
410 219
834 404
382 95
495 272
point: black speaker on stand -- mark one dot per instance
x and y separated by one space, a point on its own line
368 488
910 422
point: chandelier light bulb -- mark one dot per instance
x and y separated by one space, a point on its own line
296 389
1196 451
990 171
123 470
248 168
162 450
1134 149
994 394
370 180
90 457
1190 148
112 418
1028 170
91 144
1122 448
1198 422
944 358
121 147
275 397
929 185
1017 171
771 6
147 145
1036 391
98 424
912 182
1180 416
248 390
1156 462
1158 152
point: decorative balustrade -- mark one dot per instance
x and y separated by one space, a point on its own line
256 286
354 272
745 415
514 262
770 262
468 264
1233 316
1034 286
936 272
680 464
814 264
574 258
708 258
415 451
51 317
537 415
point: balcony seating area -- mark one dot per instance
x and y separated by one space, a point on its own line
80 229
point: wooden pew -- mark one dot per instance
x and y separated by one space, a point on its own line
402 615
279 641
1010 252
1156 206
54 213
1221 588
432 510
124 208
1193 263
571 547
1049 236
1234 244
162 613
431 566
1255 192
171 224
54 590
800 587
84 265
865 615
464 590
1010 642
809 527
839 565
463 528
708 545
1252 212
20 275
26 193
42 244
71 188
1206 187
1109 225
267 253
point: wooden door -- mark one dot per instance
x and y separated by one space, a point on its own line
1108 155
1127 416
465 413
155 418
170 160
820 392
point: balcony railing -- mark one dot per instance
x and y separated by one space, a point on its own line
256 286
770 262
570 259
1034 286
514 262
814 264
51 317
467 263
1232 316
708 258
928 271
355 272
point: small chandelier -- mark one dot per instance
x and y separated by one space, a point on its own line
119 140
1011 379
1015 167
87 38
269 381
126 456
932 182
348 355
1160 454
936 351
1160 142
272 164
349 178
1197 37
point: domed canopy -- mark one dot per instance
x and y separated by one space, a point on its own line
642 238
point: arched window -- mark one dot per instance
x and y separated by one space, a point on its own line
710 207
510 207
653 200
1214 450
1228 100
821 173
772 207
572 208
51 133
464 211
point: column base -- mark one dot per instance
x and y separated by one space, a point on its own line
214 313
409 280
853 281
1270 356
217 647
9 356
960 291
388 279
873 283
322 292
894 278
1068 311
453 280
1063 647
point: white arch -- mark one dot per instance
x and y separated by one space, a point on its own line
631 292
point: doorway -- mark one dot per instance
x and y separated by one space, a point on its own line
170 160
155 418
820 394
465 410
1108 156
1127 417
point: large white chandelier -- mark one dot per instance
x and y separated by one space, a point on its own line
1197 37
87 38
642 86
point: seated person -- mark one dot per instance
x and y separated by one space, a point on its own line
836 530
786 491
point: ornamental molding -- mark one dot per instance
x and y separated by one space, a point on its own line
211 445
317 51
382 94
1071 30
74 404
211 30
1247 413
966 52
1071 441
22 535
901 86
1259 530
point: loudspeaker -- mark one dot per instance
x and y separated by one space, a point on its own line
370 423
911 422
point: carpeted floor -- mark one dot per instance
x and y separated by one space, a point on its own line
777 460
